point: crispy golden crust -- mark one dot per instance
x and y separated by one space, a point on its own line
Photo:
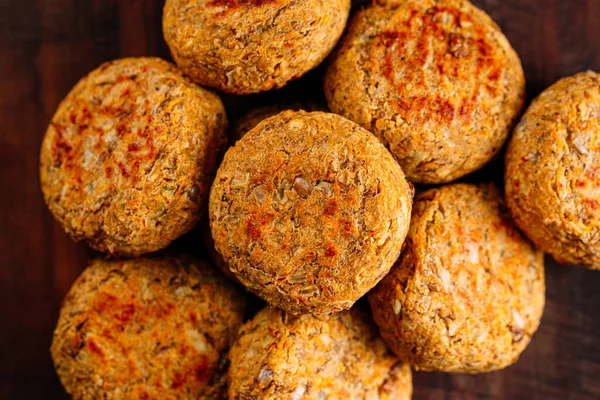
435 80
128 157
340 356
467 293
553 171
147 329
310 211
213 254
250 46
252 118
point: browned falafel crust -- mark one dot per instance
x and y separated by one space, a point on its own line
310 211
467 293
253 117
339 356
251 46
213 254
553 171
147 329
129 156
435 80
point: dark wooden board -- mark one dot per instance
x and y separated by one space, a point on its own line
47 45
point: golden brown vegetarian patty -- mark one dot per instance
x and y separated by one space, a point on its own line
339 356
553 171
310 211
247 46
467 293
435 80
252 118
147 329
129 155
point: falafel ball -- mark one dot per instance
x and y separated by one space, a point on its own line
128 158
309 210
147 329
468 292
339 356
248 46
435 80
553 171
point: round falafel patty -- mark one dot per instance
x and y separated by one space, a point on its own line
339 356
129 155
147 329
248 46
467 293
553 171
435 80
309 210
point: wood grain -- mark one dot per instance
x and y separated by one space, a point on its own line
47 45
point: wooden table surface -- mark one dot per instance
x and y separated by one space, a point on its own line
47 45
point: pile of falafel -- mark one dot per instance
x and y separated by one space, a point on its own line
312 207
